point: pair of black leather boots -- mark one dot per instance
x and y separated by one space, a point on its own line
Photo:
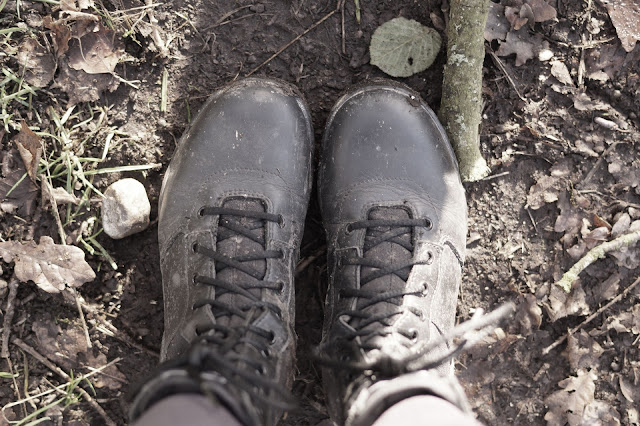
232 211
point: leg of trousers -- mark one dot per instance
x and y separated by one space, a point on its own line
197 410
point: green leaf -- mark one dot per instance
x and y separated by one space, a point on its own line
403 47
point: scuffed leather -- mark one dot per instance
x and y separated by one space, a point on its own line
253 141
384 147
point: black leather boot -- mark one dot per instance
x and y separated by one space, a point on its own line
232 211
396 218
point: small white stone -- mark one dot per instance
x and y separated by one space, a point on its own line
125 209
545 55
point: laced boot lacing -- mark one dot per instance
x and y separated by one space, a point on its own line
367 326
233 346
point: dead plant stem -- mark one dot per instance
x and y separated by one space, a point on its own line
8 315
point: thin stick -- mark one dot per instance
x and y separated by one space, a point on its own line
589 176
31 351
82 321
594 254
591 317
8 316
286 46
500 65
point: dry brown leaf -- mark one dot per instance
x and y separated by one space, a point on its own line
51 266
582 351
94 52
629 390
83 87
524 45
568 405
621 226
570 219
625 169
582 102
562 304
542 11
560 71
61 196
61 35
600 413
497 24
30 148
608 289
16 197
625 16
110 377
63 345
38 62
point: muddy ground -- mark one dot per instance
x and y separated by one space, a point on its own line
562 144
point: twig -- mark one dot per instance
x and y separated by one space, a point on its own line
8 316
286 46
309 260
31 351
594 254
506 73
615 300
82 321
597 165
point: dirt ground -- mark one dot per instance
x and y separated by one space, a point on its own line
560 135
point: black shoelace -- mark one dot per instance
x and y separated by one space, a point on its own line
240 353
380 231
462 336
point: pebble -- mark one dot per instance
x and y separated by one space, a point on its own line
125 208
545 55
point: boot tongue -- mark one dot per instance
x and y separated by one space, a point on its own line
388 253
232 244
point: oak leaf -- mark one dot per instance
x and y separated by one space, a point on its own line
51 266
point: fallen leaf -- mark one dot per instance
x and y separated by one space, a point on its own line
17 193
542 11
61 196
560 71
600 413
582 351
515 17
83 87
582 102
38 62
402 47
607 289
621 226
629 390
524 45
570 219
596 236
30 147
94 52
61 345
51 266
61 35
110 377
497 24
544 191
562 304
568 405
625 16
625 169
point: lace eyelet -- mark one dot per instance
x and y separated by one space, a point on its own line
201 212
194 247
272 338
281 221
282 254
429 257
428 224
280 288
194 279
348 229
261 370
413 334
425 287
